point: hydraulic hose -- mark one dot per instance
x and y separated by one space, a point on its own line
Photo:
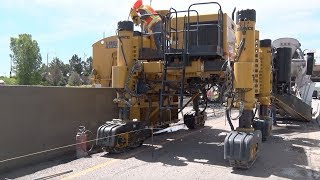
134 67
122 51
229 115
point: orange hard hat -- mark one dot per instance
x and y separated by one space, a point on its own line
137 4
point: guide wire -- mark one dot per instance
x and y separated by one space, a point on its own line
92 140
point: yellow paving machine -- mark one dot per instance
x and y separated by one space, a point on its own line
202 54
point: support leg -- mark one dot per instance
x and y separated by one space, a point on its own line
264 123
195 118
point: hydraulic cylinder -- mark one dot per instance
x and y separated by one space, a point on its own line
265 77
244 64
124 54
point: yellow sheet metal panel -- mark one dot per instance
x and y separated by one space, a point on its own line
137 44
196 66
125 48
152 67
229 37
162 12
265 73
135 113
146 42
249 102
228 32
104 54
119 75
248 53
244 65
243 78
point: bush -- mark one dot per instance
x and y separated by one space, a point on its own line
74 79
9 81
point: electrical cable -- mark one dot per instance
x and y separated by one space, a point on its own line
241 108
240 49
134 68
229 93
255 112
121 48
228 115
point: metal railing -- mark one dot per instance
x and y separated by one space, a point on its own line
175 30
219 24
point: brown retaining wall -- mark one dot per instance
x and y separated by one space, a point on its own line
34 119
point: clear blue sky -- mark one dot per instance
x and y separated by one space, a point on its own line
66 27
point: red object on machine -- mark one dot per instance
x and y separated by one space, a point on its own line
81 143
137 4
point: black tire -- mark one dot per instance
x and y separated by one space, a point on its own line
189 121
190 126
116 150
137 144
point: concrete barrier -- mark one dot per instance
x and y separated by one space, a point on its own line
34 119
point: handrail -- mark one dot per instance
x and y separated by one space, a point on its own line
220 20
174 11
166 45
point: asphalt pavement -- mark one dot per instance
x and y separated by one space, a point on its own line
292 152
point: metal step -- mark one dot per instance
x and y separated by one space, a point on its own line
172 81
199 25
174 67
168 94
172 61
173 53
169 107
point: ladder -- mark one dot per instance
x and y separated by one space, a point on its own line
175 59
172 61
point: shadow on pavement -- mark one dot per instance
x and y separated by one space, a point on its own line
281 157
23 171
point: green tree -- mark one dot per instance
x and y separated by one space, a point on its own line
55 75
74 79
44 75
27 59
87 66
76 64
66 70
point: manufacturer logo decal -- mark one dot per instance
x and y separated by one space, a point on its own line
111 44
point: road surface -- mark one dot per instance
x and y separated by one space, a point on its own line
291 153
